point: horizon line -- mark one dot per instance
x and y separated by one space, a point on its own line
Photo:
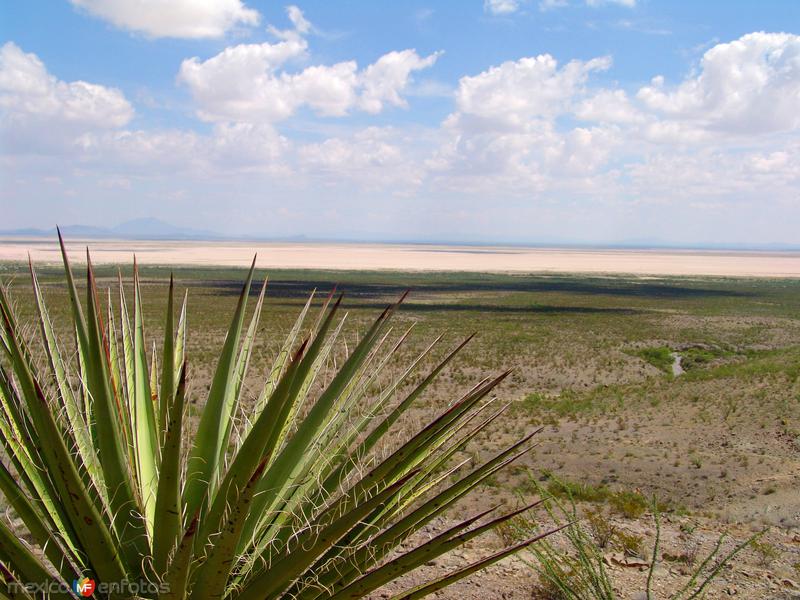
25 233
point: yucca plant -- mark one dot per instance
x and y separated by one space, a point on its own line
297 494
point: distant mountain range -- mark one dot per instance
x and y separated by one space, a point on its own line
156 229
137 229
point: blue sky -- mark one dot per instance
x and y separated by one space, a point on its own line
590 121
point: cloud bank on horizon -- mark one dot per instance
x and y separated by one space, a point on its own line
235 124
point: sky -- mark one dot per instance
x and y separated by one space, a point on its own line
488 121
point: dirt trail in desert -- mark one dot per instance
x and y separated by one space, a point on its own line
415 257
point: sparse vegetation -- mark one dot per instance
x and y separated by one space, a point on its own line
602 530
609 421
629 504
697 357
629 543
576 569
766 552
660 357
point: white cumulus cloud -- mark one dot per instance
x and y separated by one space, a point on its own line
517 91
27 90
172 18
750 85
251 83
297 18
375 158
501 7
545 5
37 109
608 106
505 132
596 3
240 83
382 81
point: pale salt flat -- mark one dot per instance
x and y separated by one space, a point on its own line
410 257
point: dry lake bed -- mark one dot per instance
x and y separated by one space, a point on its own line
418 257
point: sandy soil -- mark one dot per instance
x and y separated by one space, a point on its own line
416 257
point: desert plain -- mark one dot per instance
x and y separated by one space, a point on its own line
666 375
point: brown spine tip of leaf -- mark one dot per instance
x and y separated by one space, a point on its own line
301 350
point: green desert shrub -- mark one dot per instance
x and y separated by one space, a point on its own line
577 491
630 505
303 494
601 529
660 357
